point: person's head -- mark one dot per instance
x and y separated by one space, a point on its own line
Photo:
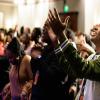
22 30
36 51
45 37
36 33
95 34
10 32
27 30
13 51
8 38
84 44
25 41
83 38
80 38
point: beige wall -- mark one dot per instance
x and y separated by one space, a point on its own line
92 14
35 15
78 5
38 13
30 15
89 12
7 11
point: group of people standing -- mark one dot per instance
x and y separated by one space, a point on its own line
45 65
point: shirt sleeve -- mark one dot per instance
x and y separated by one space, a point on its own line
83 68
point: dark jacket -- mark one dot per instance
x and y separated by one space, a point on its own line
51 76
4 76
83 69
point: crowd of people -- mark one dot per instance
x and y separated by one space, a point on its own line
52 63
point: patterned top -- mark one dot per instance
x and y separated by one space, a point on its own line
14 81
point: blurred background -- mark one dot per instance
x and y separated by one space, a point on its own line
33 13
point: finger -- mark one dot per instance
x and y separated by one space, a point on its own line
67 21
49 22
47 25
50 12
50 17
56 14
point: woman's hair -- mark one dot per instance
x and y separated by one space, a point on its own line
36 34
25 39
14 47
22 30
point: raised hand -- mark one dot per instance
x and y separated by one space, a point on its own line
51 34
55 22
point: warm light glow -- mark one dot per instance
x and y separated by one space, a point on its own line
97 12
19 2
25 2
30 2
14 21
33 14
92 14
1 19
8 23
42 13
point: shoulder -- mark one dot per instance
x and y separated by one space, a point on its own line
26 58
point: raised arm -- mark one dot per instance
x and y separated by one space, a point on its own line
86 69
